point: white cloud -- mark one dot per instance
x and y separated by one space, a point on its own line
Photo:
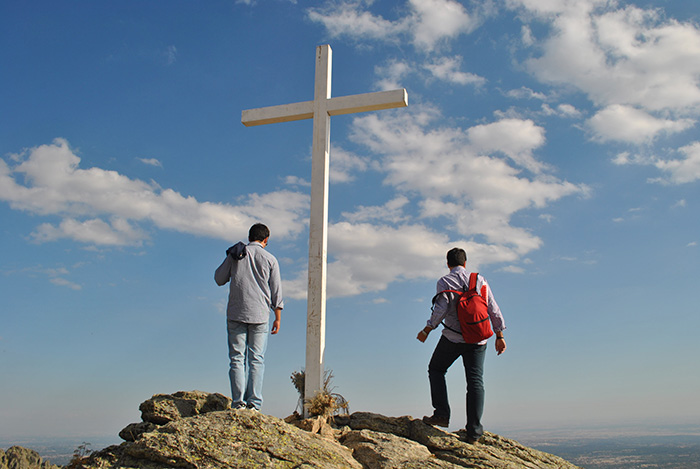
391 212
402 252
526 35
525 93
151 162
436 20
626 157
65 283
448 69
457 174
54 184
95 231
348 18
170 55
516 138
567 110
391 74
627 124
426 23
682 170
296 181
627 55
343 165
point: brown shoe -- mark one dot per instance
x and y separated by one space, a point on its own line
436 420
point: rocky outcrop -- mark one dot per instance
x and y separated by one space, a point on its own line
164 408
192 430
231 438
196 430
17 457
402 442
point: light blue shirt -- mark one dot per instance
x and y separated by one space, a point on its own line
256 285
446 310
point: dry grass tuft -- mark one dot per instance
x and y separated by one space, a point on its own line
325 402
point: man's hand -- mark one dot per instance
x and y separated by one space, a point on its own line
423 334
277 321
500 345
275 326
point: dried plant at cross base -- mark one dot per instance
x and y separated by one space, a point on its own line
325 402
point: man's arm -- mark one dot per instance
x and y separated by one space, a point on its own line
496 318
438 313
223 272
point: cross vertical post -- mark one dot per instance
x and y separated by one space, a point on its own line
318 227
320 109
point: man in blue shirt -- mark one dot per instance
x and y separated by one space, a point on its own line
452 345
255 289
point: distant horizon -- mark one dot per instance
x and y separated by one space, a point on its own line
630 429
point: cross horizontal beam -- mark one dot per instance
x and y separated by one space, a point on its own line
335 107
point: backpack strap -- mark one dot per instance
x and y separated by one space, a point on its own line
472 280
456 292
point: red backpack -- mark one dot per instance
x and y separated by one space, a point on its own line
472 312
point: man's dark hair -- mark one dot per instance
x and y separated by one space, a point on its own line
258 232
456 256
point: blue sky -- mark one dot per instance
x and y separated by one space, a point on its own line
556 141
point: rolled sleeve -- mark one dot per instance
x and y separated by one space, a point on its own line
276 297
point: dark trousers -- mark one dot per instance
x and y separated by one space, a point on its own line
445 354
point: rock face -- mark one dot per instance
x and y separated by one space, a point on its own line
164 408
196 430
404 442
17 457
192 430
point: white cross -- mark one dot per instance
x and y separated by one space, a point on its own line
320 109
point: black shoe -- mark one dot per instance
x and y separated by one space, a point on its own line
436 420
472 441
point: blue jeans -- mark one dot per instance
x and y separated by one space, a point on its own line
246 350
445 354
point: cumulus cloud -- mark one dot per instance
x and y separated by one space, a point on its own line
391 212
684 169
681 167
462 167
516 138
426 23
349 18
345 164
448 69
627 124
104 207
618 55
434 20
